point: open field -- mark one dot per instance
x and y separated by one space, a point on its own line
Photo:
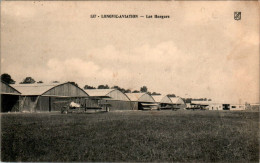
131 136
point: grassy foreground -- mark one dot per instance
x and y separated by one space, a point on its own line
131 136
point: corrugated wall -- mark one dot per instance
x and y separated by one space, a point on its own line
43 104
46 104
114 104
91 103
134 105
119 105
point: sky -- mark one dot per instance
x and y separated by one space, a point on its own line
199 52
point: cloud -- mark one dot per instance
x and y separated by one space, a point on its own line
82 72
71 68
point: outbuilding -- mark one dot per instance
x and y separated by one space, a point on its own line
9 98
48 97
142 101
111 98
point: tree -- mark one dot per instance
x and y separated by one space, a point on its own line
89 87
127 91
7 78
116 87
187 100
121 89
143 89
40 82
28 80
73 83
135 91
149 93
155 93
171 95
103 87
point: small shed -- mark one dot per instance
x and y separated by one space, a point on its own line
48 97
142 101
116 99
9 98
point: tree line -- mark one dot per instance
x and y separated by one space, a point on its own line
29 80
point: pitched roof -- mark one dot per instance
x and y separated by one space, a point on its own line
176 100
34 89
98 92
53 89
157 98
143 97
134 96
7 89
112 94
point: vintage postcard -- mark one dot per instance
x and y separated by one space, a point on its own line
130 81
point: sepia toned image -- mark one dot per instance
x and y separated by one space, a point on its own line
130 81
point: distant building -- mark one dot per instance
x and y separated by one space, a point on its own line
142 101
178 102
211 105
112 98
163 101
234 107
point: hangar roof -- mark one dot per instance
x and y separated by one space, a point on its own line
54 89
114 94
142 97
177 100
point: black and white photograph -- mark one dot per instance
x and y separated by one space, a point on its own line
130 81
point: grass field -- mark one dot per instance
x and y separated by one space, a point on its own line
131 136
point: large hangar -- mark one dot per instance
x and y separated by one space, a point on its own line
48 97
115 99
142 101
178 102
9 98
163 101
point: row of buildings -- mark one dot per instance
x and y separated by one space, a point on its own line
53 97
211 105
